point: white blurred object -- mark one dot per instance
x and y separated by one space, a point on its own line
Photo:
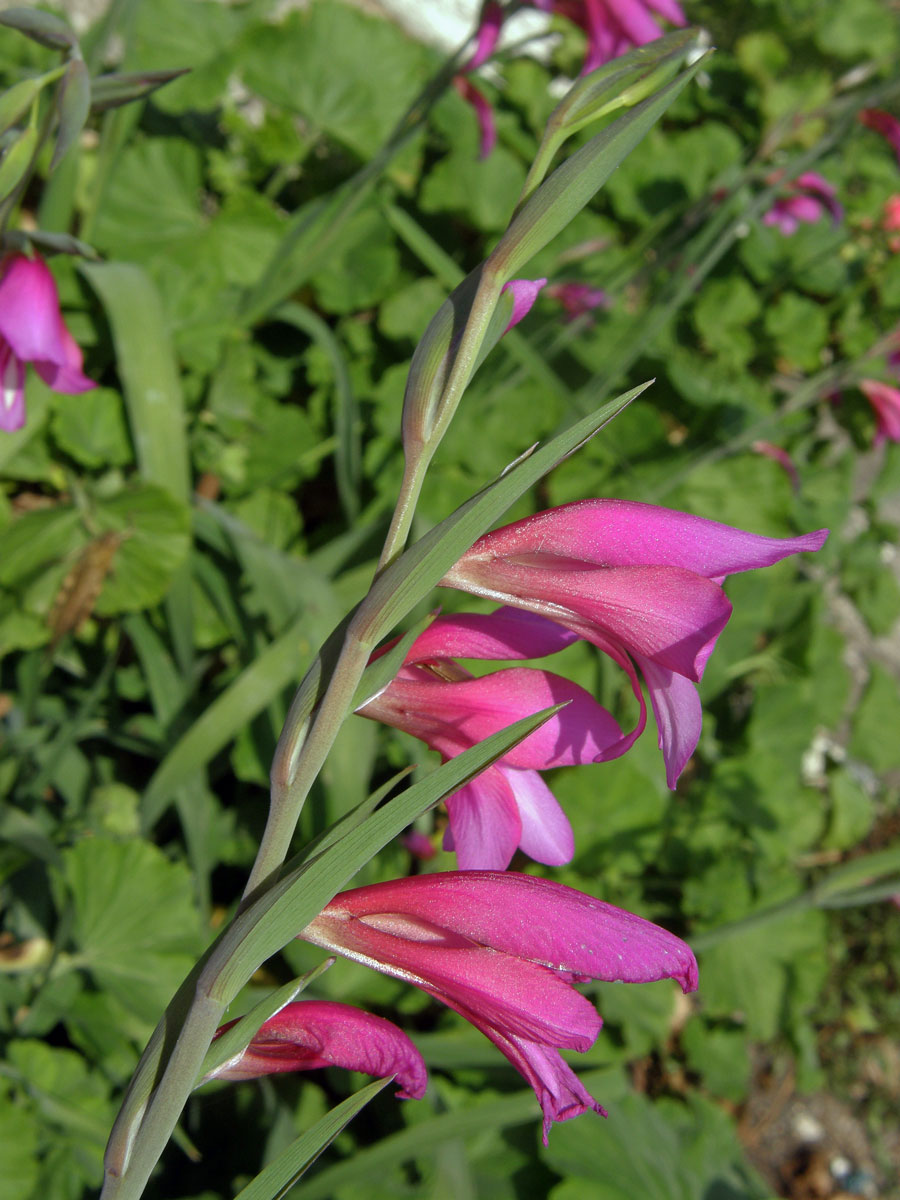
446 23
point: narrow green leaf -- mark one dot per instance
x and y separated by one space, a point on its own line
286 1169
236 1040
110 91
146 362
562 196
378 674
74 100
17 159
426 1137
42 27
16 101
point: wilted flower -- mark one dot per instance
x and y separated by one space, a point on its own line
642 583
503 949
322 1033
885 401
810 196
435 699
32 331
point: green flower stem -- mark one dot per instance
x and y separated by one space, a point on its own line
290 787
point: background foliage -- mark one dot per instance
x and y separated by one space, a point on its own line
168 569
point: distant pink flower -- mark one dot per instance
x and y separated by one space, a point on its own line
435 699
885 124
419 845
503 949
614 26
578 299
322 1033
32 331
781 456
810 197
524 292
642 583
890 221
885 401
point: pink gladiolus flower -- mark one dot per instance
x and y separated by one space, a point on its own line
502 950
321 1033
615 26
32 331
811 196
885 401
435 699
882 122
578 299
640 582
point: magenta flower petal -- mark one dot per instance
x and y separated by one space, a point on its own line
612 533
66 377
885 401
631 16
678 713
816 185
32 330
483 111
560 1092
12 398
546 833
322 1033
485 826
505 633
30 320
524 294
525 917
487 35
502 949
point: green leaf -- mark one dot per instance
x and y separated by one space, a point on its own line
18 1151
286 1169
156 537
310 63
134 925
92 429
149 209
147 366
662 1151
